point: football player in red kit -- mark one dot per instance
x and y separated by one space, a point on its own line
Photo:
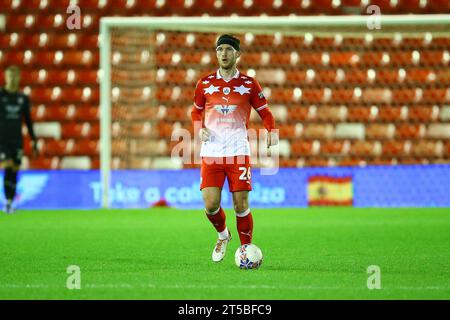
226 98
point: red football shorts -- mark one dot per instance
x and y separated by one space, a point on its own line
236 169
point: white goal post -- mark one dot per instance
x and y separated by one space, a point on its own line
354 26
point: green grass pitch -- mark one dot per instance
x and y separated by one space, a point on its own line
314 253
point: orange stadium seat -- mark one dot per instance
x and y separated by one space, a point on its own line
387 76
358 114
164 129
42 95
51 22
177 113
278 58
380 161
416 76
400 58
86 147
350 162
312 95
333 147
163 58
315 162
436 95
422 114
325 77
443 76
330 114
404 96
310 59
251 59
45 113
29 77
95 162
393 148
298 114
263 41
281 95
288 163
390 114
44 163
79 59
70 95
423 148
142 129
379 131
355 76
363 148
194 57
340 95
86 77
57 147
56 41
409 131
431 58
317 131
56 77
44 59
17 58
175 76
341 59
73 130
324 43
94 5
88 42
295 77
287 130
446 152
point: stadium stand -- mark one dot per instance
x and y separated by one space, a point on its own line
352 101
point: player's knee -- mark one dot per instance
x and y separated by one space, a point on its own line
240 207
212 206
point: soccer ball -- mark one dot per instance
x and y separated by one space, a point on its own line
248 256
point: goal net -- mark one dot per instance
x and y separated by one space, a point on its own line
345 90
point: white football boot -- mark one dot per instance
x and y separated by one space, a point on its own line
221 248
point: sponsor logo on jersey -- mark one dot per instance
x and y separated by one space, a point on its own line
225 109
12 108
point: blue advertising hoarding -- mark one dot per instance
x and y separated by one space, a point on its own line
373 186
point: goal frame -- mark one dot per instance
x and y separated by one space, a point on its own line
352 25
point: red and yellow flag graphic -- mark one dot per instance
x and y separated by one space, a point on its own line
330 191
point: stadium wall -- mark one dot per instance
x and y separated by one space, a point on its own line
371 186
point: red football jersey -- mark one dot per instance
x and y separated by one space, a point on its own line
227 105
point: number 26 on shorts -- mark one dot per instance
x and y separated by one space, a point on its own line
246 173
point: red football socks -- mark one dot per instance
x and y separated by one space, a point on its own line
217 219
244 223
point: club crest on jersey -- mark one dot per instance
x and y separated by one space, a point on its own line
225 109
226 90
20 100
